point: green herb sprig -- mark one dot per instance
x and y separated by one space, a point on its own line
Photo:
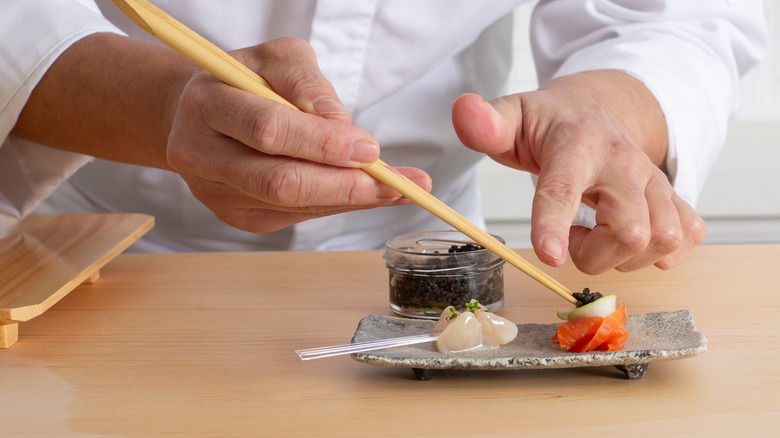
453 315
471 307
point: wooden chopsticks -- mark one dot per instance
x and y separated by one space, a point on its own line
228 69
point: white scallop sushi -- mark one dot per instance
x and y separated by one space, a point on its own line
472 329
461 333
496 330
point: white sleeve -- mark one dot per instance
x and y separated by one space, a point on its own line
33 33
689 54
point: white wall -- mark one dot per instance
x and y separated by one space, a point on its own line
741 200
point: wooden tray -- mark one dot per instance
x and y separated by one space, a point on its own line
44 257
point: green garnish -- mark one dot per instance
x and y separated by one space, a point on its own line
471 307
454 314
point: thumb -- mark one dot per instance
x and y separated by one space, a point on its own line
483 127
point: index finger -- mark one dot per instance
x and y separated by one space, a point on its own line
290 67
555 204
273 128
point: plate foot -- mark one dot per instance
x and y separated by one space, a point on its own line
634 370
424 374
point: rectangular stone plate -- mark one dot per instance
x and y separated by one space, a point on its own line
652 337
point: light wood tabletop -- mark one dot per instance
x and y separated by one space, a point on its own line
203 345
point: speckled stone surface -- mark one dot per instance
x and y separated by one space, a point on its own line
652 337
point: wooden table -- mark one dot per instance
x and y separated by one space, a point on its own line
203 345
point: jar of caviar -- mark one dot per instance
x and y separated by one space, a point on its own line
435 269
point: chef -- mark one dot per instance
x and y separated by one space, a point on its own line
631 113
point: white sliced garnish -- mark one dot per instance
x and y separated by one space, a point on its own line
601 307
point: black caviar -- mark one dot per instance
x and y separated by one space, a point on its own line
464 248
432 270
586 297
435 292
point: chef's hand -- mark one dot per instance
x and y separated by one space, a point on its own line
598 138
260 165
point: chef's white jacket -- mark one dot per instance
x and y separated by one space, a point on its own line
397 66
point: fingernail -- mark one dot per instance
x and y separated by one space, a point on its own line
424 181
364 152
553 247
327 106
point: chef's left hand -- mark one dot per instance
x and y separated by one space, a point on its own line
597 138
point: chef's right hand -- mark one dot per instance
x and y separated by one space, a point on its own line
260 165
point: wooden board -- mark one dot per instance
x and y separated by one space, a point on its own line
44 257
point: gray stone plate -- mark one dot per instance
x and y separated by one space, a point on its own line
651 337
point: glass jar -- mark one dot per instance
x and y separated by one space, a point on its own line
435 269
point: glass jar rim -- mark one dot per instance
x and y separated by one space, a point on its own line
430 253
428 237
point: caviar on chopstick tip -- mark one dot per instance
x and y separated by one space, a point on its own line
586 297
